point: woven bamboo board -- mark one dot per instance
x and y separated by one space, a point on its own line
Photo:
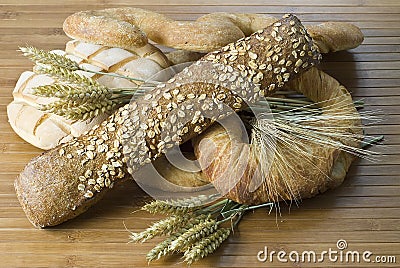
364 211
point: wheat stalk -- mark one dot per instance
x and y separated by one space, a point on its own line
80 97
206 245
66 75
76 110
42 57
74 92
201 227
178 206
164 247
162 227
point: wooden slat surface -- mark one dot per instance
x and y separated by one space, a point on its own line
365 210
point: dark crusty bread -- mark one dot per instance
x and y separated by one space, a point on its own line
53 187
60 183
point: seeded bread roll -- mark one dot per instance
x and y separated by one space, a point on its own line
127 28
65 181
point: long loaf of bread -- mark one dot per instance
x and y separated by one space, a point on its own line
65 181
129 28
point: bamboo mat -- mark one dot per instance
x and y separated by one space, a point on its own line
364 211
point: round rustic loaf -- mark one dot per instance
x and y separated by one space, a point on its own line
292 175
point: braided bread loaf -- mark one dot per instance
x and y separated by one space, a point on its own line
46 130
129 28
65 181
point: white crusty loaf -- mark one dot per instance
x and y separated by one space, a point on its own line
46 130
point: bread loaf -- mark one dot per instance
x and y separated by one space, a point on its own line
335 36
171 178
46 130
128 27
65 181
291 176
134 25
183 56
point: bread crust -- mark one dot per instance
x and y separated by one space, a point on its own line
130 27
61 183
46 130
325 169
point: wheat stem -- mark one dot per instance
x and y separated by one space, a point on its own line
162 227
40 56
206 245
289 100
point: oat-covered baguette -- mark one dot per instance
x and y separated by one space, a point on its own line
127 28
47 130
64 182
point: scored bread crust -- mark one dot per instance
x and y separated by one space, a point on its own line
46 130
189 95
41 129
